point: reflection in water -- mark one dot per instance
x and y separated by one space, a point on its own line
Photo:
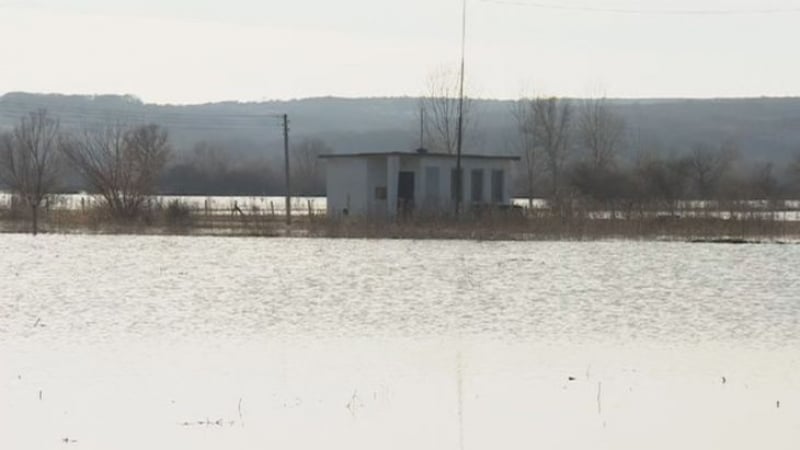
162 342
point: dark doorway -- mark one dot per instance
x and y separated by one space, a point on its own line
405 191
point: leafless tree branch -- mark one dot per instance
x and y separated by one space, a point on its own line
122 164
600 131
30 160
440 106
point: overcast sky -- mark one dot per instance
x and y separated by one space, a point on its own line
190 51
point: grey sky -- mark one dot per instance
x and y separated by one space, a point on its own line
188 51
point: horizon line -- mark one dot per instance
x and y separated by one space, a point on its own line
396 97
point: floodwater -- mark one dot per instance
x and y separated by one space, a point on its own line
789 210
300 205
121 342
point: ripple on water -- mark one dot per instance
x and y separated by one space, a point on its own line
101 287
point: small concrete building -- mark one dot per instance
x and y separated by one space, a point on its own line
388 184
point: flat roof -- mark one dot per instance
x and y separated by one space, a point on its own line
417 155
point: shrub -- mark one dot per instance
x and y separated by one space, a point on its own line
178 213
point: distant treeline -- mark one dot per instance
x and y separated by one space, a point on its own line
573 151
763 129
658 148
209 170
126 165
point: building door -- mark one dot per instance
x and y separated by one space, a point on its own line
405 191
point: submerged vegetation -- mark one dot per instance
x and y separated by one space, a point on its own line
688 221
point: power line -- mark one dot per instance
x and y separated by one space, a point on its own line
207 120
646 12
145 111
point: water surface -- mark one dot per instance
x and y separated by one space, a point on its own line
201 343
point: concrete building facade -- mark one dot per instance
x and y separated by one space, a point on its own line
389 184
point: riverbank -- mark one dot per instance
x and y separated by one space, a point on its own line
499 227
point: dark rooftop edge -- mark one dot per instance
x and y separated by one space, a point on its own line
417 154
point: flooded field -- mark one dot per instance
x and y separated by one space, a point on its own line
204 204
120 342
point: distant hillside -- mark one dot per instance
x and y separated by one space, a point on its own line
764 128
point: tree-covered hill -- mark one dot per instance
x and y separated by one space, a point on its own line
762 128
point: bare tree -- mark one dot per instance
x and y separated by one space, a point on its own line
763 181
552 129
600 131
793 172
122 165
440 108
30 160
208 158
525 121
662 180
707 167
307 167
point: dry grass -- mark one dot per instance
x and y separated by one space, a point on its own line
554 228
159 221
176 220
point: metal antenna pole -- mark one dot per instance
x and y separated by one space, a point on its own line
422 128
286 162
460 131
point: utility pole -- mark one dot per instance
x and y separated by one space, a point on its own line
460 132
286 162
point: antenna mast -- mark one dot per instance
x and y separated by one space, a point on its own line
460 131
422 127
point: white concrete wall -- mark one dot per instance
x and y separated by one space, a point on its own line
352 183
442 200
392 177
347 186
446 165
376 178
